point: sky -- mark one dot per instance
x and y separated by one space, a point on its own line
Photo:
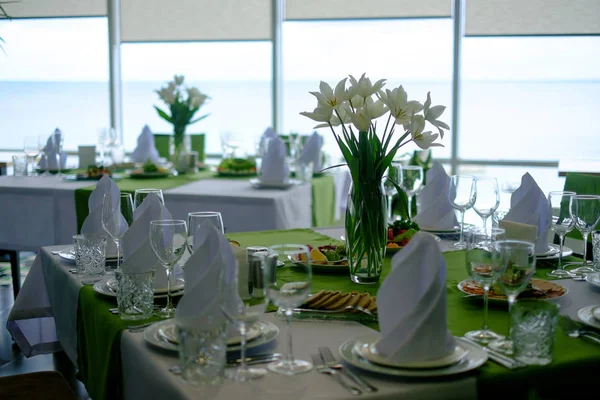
401 50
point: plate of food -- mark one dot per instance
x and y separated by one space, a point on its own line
92 173
237 167
325 259
398 235
537 289
149 170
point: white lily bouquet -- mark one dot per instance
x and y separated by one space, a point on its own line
356 110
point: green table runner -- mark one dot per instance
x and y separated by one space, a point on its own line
99 331
323 193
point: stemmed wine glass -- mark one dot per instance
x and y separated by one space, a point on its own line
168 238
390 178
585 210
562 223
410 179
483 267
32 147
196 221
288 295
462 196
245 313
141 194
116 217
518 260
488 198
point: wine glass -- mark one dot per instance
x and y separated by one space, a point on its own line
196 221
391 178
483 267
562 223
518 260
116 217
410 179
488 198
462 196
140 194
287 295
585 210
168 238
32 147
245 313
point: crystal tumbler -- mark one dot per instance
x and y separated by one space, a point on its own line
596 249
534 330
90 254
135 294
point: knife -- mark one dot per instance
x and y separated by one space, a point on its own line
499 358
331 362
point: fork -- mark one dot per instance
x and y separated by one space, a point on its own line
321 368
571 328
331 362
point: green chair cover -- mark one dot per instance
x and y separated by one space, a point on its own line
197 141
162 143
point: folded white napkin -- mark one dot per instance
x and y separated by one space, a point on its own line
137 252
93 222
416 331
274 166
268 134
529 205
53 152
146 149
212 260
435 210
312 151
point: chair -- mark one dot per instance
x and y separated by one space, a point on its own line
162 142
47 385
12 256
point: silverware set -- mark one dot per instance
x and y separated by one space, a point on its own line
499 358
325 363
253 360
572 329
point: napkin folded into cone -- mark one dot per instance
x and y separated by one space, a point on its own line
435 210
93 222
137 251
274 166
312 151
211 265
146 149
529 205
411 303
268 134
53 152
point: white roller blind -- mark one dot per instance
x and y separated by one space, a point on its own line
532 17
340 9
181 20
56 8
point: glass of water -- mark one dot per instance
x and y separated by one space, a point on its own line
410 179
462 196
534 331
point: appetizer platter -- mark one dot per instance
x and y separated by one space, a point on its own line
399 234
92 173
237 167
538 289
329 258
149 170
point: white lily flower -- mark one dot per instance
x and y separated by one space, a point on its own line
422 139
327 97
178 80
357 101
319 114
360 118
363 87
198 100
400 107
167 95
375 109
172 86
432 114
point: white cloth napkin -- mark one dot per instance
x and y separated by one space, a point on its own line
416 331
137 252
53 152
212 257
146 149
93 222
435 210
312 151
268 134
529 205
274 166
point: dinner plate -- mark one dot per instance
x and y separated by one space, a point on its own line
169 333
148 175
69 254
474 358
593 278
335 267
394 250
111 282
231 173
268 332
369 351
468 286
553 254
440 231
596 313
586 315
102 288
258 184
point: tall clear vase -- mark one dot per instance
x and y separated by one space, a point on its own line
180 148
366 231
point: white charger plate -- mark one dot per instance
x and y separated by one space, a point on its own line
474 358
586 315
111 282
102 288
268 333
553 255
258 184
593 278
169 333
369 351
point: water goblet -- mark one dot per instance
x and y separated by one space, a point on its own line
488 198
168 240
196 221
561 224
518 259
484 267
32 147
410 179
389 184
116 214
287 296
140 194
585 210
245 313
462 196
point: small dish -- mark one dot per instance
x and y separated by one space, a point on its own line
586 316
258 184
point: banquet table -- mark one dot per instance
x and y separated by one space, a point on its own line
55 310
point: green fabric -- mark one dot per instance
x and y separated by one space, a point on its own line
99 331
197 144
162 142
581 184
323 197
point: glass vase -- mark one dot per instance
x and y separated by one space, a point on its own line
366 231
180 148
